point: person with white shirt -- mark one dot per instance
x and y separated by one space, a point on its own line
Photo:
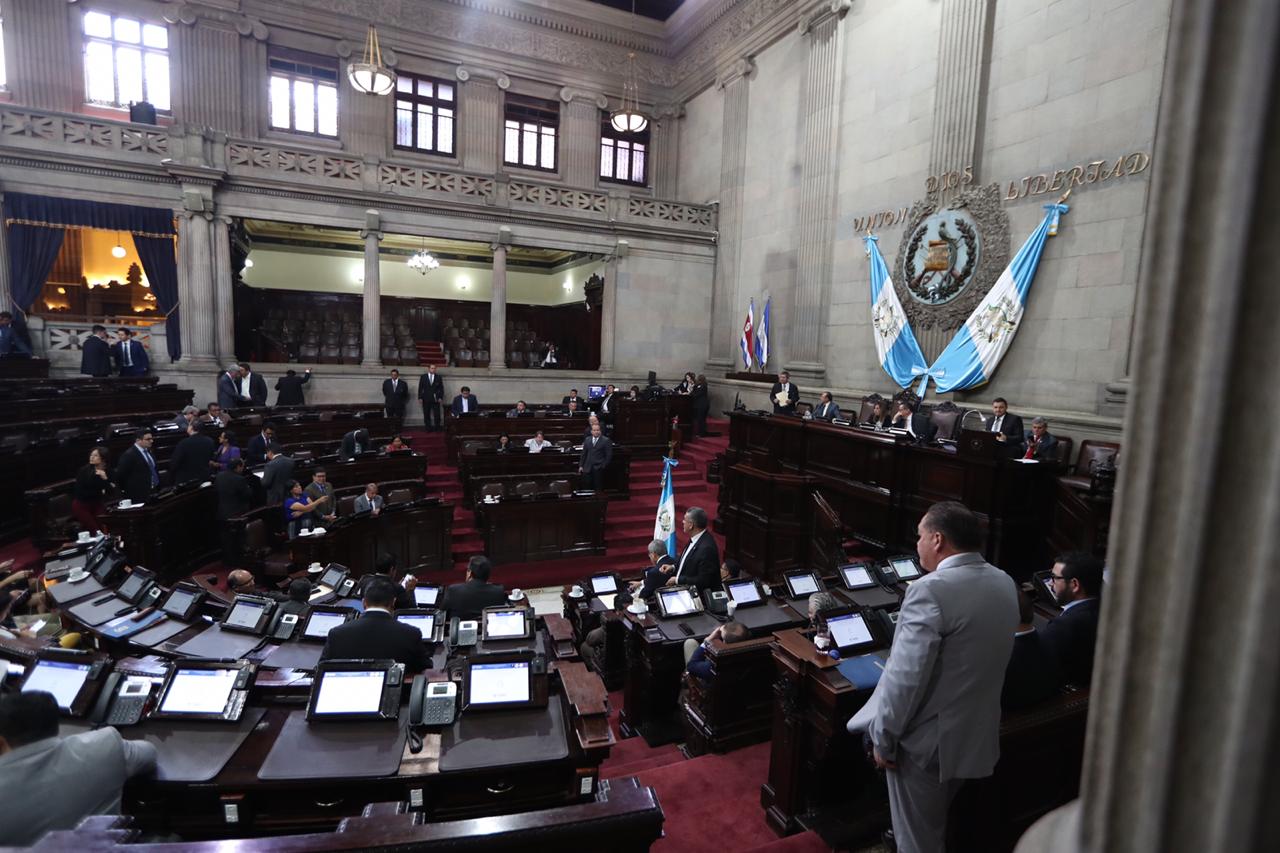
699 563
50 783
537 444
370 501
252 386
607 404
465 403
789 395
136 473
826 410
552 357
917 425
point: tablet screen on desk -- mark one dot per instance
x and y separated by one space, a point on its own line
426 596
505 624
494 683
320 623
199 691
743 592
356 691
424 622
179 601
849 630
132 586
332 577
802 584
245 614
905 568
677 602
61 678
856 577
603 584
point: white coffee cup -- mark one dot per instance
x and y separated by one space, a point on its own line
315 568
576 591
731 606
516 594
822 642
126 503
84 536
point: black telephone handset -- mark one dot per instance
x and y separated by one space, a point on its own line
286 624
122 702
886 620
715 602
431 703
345 588
463 632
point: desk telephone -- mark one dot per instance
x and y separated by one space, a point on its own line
285 626
432 703
463 632
716 602
123 701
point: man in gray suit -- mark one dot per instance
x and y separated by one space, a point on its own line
48 782
934 718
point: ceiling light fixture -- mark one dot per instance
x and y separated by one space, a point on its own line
118 251
370 75
627 118
423 261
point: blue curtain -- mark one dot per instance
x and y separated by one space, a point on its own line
161 267
36 226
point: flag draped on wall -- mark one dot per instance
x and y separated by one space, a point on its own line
745 343
762 336
664 525
973 354
896 346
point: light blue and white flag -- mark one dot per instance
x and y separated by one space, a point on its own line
896 346
762 336
747 328
664 525
973 354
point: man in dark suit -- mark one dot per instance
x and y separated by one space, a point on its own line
431 395
130 356
608 407
234 498
701 405
789 392
354 443
572 398
252 386
661 566
95 353
190 459
466 600
1071 635
256 452
699 563
730 632
395 396
376 635
597 453
1007 427
289 387
916 423
1032 676
277 474
826 410
11 341
1041 444
136 473
465 403
229 388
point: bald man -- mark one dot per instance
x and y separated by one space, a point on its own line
242 582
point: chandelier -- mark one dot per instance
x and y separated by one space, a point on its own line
370 75
423 261
627 118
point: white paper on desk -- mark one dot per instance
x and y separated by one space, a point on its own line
608 598
861 721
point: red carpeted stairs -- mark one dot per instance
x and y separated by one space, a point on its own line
431 352
629 525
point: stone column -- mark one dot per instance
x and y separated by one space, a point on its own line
372 233
824 70
45 71
733 167
498 303
224 296
613 268
195 257
1184 717
481 120
6 290
664 150
964 53
580 136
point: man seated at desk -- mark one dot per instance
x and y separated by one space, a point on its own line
572 397
320 493
520 411
376 635
297 598
695 653
12 344
1041 444
354 443
242 582
1032 675
661 565
464 403
593 421
186 417
537 444
918 425
1071 635
215 416
592 648
370 501
466 600
573 408
386 569
826 410
50 783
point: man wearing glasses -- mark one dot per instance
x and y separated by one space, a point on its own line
1070 637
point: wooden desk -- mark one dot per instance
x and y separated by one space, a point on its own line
516 530
479 469
416 536
23 368
879 486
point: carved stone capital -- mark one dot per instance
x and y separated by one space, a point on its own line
661 111
372 225
820 12
568 94
188 14
737 70
464 73
343 49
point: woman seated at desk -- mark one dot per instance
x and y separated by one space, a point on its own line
397 445
504 443
93 481
227 450
297 510
879 416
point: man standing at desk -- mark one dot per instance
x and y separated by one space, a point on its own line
289 388
234 497
431 393
395 396
597 453
95 353
256 452
466 600
136 472
277 474
699 564
1007 427
464 403
229 389
789 395
131 356
934 718
252 386
376 635
321 494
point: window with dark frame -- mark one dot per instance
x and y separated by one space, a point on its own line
303 93
126 60
426 114
530 131
624 157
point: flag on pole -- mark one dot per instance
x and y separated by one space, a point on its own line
745 343
762 337
896 346
973 354
664 525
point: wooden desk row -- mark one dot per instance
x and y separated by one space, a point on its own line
476 470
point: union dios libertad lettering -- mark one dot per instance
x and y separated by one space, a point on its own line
1061 180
